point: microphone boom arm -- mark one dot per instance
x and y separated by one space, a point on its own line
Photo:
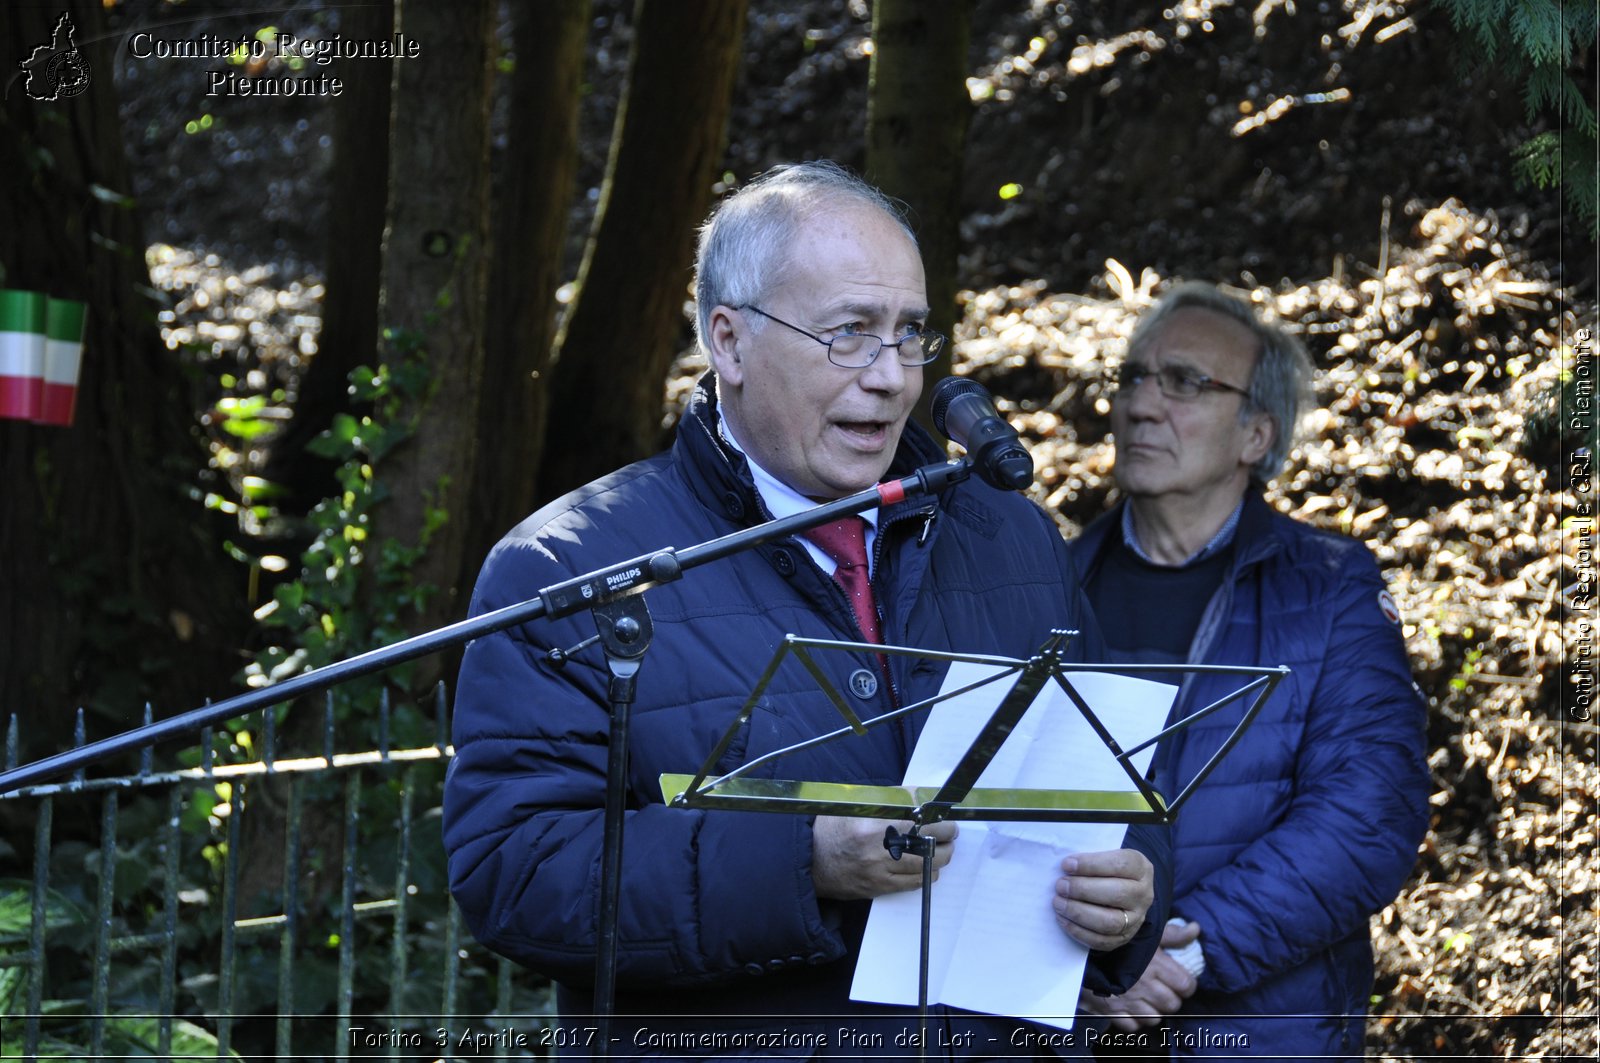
630 577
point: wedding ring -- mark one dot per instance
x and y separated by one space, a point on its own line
1124 929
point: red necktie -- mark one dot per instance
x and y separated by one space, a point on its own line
845 541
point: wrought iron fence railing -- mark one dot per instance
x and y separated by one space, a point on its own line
258 901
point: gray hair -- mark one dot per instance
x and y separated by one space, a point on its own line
744 246
1280 383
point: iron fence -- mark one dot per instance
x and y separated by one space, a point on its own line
159 935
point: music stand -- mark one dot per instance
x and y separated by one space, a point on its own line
958 798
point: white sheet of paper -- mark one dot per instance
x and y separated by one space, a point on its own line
995 946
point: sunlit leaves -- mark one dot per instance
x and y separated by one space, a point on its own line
111 196
1538 161
241 417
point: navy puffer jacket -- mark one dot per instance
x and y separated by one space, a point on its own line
1311 824
718 913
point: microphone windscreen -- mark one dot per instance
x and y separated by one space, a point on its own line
947 391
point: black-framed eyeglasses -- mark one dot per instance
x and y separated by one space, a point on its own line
857 350
1174 381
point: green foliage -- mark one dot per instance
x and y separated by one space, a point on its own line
1546 161
352 593
1538 32
65 1032
1546 31
1537 42
16 918
241 417
1549 88
1539 160
1468 666
126 1036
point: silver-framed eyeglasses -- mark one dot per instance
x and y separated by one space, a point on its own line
857 350
1174 381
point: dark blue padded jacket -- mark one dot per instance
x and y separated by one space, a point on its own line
1311 824
718 914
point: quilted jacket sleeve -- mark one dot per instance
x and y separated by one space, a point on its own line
703 894
1358 810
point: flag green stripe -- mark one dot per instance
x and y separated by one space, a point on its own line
64 320
22 311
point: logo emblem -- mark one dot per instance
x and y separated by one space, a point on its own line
1390 610
863 683
587 590
56 71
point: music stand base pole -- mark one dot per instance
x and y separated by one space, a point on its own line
923 845
930 844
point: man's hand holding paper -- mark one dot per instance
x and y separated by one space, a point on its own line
849 861
1101 898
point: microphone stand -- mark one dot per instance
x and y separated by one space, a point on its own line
923 845
612 594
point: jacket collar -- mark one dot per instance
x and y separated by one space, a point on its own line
1255 539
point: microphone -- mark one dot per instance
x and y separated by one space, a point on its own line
964 412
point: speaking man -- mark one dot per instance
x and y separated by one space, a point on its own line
812 311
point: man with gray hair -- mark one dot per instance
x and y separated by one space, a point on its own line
738 931
1311 824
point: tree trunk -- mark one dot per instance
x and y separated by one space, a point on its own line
623 330
349 336
530 226
435 278
917 116
114 588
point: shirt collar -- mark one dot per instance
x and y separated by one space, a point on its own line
1218 541
780 499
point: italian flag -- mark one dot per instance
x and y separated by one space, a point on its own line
22 343
63 357
41 351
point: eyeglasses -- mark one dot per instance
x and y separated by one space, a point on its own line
857 350
1174 382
